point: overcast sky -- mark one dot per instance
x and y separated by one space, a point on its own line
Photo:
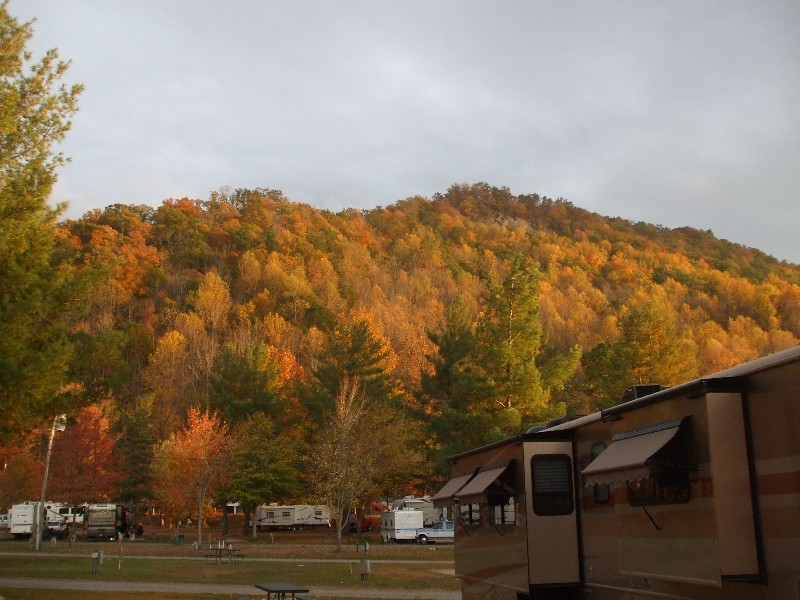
675 113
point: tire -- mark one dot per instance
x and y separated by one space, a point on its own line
423 539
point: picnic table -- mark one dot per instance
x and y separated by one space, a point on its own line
224 551
281 589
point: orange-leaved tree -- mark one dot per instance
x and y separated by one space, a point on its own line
191 463
82 466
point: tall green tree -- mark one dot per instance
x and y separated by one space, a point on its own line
651 349
516 376
355 352
262 465
35 113
448 390
135 452
247 382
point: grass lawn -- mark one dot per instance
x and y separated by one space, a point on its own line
288 559
383 575
22 594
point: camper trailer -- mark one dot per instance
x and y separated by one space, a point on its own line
21 518
686 493
400 525
296 516
72 515
430 513
104 521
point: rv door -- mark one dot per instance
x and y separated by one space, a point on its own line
553 548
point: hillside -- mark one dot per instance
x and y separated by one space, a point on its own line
291 264
248 302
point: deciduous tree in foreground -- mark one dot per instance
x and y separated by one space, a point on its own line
363 450
191 463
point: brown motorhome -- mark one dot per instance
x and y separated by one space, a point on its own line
690 492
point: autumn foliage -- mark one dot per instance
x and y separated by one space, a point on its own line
189 463
83 462
471 315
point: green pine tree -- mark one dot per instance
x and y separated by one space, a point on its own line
448 391
134 451
262 467
516 375
354 353
35 113
245 383
650 350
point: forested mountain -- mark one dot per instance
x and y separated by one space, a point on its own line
468 316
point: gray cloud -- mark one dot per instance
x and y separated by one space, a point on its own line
680 113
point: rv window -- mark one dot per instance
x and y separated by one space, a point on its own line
660 488
504 514
601 491
552 485
470 514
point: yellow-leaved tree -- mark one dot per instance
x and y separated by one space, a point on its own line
191 464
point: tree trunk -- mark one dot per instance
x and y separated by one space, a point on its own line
341 522
201 497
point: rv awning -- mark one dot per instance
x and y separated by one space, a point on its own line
628 456
475 491
445 495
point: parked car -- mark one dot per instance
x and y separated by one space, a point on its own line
441 532
56 529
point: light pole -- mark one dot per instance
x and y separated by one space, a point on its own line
59 424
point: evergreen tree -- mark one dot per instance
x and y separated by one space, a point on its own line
262 466
35 115
135 454
649 350
516 376
355 353
447 386
448 392
246 383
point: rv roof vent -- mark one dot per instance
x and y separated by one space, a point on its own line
639 391
564 419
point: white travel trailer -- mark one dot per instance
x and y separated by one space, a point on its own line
295 516
687 493
72 515
400 524
21 518
430 514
